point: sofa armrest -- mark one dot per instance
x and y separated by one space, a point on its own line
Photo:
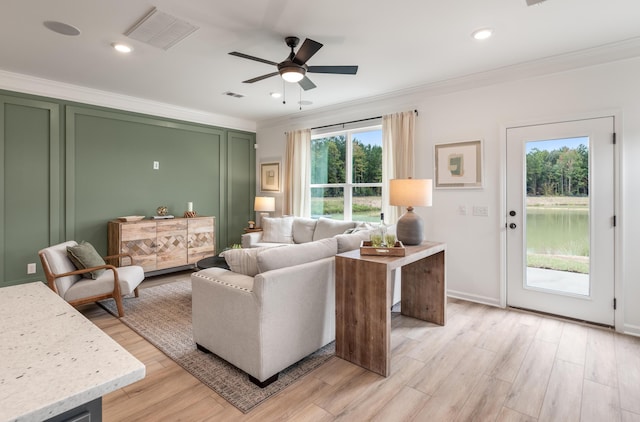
250 239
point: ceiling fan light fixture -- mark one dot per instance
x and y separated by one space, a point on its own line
292 74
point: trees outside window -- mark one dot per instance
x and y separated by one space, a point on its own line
346 175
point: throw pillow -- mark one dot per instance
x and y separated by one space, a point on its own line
303 229
290 255
243 261
277 229
327 227
349 242
84 256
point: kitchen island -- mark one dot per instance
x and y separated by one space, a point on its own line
55 363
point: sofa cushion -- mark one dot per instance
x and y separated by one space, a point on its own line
303 229
84 256
277 230
290 255
243 261
327 227
349 242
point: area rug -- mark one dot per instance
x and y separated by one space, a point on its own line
162 315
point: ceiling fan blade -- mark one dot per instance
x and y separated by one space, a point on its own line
259 78
342 70
257 59
308 49
306 84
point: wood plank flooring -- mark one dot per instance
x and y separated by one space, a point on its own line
486 364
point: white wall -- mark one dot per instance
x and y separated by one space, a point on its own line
474 258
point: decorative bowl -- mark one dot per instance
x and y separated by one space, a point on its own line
131 218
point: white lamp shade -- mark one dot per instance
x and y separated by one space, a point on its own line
264 204
411 192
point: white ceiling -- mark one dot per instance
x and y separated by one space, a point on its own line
397 44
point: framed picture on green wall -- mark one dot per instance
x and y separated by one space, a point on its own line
270 177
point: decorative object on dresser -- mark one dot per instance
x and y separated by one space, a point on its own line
190 213
79 275
410 192
161 246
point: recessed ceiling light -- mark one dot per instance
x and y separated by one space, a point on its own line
482 33
276 94
61 28
123 48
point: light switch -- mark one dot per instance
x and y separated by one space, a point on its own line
156 165
480 211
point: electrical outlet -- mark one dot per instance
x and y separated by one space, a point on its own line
480 211
31 268
462 210
156 165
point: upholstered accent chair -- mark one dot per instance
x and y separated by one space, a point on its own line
78 285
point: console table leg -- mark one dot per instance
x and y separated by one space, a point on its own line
423 289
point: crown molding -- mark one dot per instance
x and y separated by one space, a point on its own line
47 88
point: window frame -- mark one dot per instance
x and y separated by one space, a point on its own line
348 186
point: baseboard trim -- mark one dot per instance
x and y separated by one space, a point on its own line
474 298
632 330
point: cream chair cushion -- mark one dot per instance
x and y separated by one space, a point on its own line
130 277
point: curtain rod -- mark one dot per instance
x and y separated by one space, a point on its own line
353 121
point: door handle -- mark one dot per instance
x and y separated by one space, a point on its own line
512 226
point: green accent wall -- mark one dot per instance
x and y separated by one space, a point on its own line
70 168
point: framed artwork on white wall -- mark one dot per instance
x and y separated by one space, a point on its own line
270 177
459 165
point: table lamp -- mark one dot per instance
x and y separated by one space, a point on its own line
264 205
410 193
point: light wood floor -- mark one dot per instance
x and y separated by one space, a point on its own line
486 364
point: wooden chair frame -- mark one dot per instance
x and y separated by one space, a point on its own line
115 294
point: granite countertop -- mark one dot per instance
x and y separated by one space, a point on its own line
52 358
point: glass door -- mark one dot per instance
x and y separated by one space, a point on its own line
560 209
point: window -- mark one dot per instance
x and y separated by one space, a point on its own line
346 174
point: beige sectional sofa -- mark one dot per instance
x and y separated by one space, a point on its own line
275 305
289 230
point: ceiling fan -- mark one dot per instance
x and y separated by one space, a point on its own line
294 68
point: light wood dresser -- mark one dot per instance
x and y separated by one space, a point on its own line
163 245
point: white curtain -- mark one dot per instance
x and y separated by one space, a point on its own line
297 191
397 161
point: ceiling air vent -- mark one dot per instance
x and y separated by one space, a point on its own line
160 30
233 94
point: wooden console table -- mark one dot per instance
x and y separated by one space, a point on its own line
364 290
